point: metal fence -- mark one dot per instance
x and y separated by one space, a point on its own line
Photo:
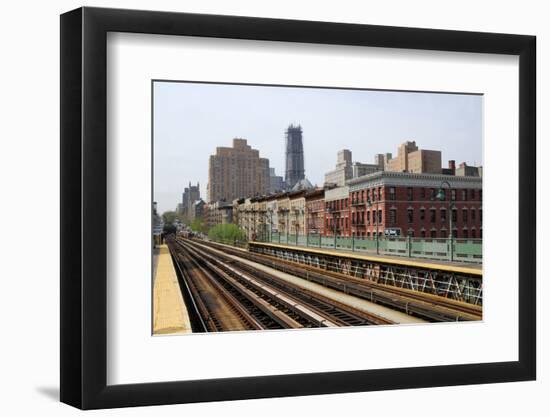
459 250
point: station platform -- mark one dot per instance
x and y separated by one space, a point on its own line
461 267
170 315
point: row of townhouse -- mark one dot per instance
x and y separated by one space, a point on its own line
382 203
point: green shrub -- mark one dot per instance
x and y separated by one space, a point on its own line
226 232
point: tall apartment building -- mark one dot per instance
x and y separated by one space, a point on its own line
237 172
189 196
417 161
294 156
346 169
276 182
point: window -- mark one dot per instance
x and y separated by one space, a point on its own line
465 233
423 193
473 194
393 216
432 193
443 215
465 215
379 216
481 233
473 233
473 215
432 234
409 193
410 215
432 215
392 193
422 214
422 233
368 217
453 195
455 233
454 215
443 233
464 195
480 216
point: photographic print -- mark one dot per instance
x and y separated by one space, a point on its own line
291 207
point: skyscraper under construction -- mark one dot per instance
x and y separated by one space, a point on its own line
294 156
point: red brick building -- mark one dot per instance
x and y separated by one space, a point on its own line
337 212
400 204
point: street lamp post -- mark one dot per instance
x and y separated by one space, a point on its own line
441 197
375 218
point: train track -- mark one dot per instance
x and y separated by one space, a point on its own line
264 294
217 308
339 313
427 306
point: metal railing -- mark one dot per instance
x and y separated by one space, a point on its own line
457 250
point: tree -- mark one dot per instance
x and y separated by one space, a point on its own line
169 217
226 232
199 225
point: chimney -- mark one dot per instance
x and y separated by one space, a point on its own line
452 166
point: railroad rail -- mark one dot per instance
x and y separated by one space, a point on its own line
284 299
216 308
422 304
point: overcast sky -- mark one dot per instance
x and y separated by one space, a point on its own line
192 119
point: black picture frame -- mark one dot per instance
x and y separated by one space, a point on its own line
84 207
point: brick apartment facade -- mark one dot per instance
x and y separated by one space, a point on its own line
337 212
403 204
315 212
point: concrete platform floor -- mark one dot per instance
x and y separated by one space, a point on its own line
170 315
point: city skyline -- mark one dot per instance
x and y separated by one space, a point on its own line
191 120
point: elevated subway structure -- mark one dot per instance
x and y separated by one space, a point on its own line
450 280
